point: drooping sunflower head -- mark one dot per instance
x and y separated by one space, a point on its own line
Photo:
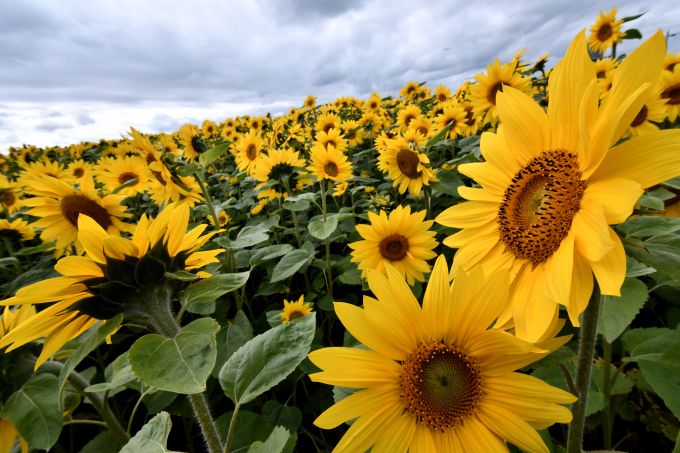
605 32
436 377
402 239
294 310
14 232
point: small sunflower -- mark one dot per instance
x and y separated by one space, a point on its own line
488 86
189 139
374 102
442 93
294 310
16 231
9 195
455 116
410 90
652 112
59 205
329 163
282 169
332 138
208 129
407 167
79 169
435 378
309 102
327 121
37 171
402 239
407 114
131 170
553 183
670 92
604 66
247 150
670 60
115 276
605 32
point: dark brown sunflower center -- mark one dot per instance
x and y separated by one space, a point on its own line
491 95
408 161
440 385
394 247
331 169
251 152
8 198
150 158
78 172
600 74
295 315
605 32
74 205
441 97
539 205
423 130
640 117
672 95
126 176
408 118
327 127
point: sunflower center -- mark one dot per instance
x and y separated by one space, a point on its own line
539 205
126 176
394 247
605 32
331 169
440 385
327 127
295 315
672 94
491 95
600 74
8 198
251 152
640 117
423 130
408 161
74 205
78 172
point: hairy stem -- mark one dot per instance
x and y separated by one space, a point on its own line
232 425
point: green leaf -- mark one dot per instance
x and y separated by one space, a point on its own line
247 237
275 443
448 183
207 290
276 413
647 226
632 33
351 277
269 252
440 135
181 364
321 229
152 438
290 264
660 252
267 359
231 338
104 442
207 157
631 18
182 276
186 170
88 345
35 411
250 427
618 312
121 374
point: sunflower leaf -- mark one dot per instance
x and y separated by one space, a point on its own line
275 443
207 157
633 33
152 438
206 291
322 229
35 411
231 338
618 312
290 264
267 359
181 364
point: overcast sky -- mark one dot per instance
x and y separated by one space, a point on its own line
83 70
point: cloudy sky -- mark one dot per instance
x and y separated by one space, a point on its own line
83 70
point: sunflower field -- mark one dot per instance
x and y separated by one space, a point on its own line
493 267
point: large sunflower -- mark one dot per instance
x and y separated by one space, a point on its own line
435 378
605 32
58 206
405 165
402 239
116 275
552 184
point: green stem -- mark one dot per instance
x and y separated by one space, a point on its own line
586 351
607 384
329 272
208 198
296 226
134 409
100 404
232 425
159 314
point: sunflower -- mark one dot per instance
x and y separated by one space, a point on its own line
79 169
329 163
407 114
455 116
670 92
59 205
16 231
653 111
435 377
168 145
402 239
37 171
605 32
442 93
247 150
131 170
208 129
9 195
280 168
115 276
552 184
352 132
332 138
309 102
410 90
327 121
670 60
422 125
191 143
407 167
484 92
222 217
294 310
604 66
374 102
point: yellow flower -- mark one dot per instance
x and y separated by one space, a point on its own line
670 92
310 102
410 90
327 121
248 149
653 111
605 32
407 167
131 170
108 279
329 163
8 435
407 114
435 378
9 195
484 92
294 310
188 137
454 115
281 168
552 183
16 230
402 239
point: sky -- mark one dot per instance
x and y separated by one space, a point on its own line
73 71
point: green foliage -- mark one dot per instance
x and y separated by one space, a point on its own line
616 313
152 438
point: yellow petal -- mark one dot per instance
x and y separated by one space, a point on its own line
526 126
355 405
610 271
397 436
488 176
468 214
617 197
78 266
591 231
437 305
509 426
366 430
581 289
495 150
559 270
